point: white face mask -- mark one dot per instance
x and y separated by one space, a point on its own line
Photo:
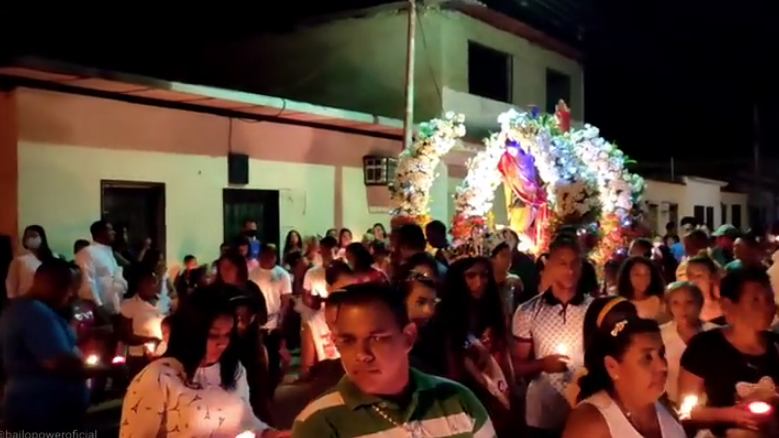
33 242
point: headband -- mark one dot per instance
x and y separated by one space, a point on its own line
607 308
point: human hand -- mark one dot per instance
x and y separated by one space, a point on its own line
555 363
741 417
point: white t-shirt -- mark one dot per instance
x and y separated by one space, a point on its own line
674 348
147 321
20 274
274 284
315 282
159 403
323 339
620 427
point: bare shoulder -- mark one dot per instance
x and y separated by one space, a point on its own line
586 421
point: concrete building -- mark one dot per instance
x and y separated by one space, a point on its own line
77 144
356 61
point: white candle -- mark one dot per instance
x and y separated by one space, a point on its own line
562 349
688 404
246 434
92 360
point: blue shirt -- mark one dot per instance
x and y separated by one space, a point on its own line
254 249
30 334
677 249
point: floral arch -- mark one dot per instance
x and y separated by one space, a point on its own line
554 176
410 192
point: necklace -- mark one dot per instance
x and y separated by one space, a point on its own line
405 426
629 416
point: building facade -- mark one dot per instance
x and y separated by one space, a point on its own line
469 59
159 157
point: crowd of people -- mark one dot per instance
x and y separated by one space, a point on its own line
401 334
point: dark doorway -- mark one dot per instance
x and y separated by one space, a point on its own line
262 206
138 205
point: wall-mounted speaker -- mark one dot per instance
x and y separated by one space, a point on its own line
238 169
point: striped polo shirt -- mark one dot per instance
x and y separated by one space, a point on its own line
439 408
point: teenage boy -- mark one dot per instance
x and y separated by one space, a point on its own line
381 393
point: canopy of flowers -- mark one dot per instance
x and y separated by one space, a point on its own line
410 193
584 176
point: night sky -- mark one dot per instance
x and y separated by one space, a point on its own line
661 78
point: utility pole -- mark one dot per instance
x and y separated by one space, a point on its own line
408 120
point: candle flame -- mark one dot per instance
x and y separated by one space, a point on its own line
562 349
246 434
150 347
688 404
92 360
759 408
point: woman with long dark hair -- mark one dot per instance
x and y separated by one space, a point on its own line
626 374
640 281
198 387
293 242
361 261
231 270
470 323
22 268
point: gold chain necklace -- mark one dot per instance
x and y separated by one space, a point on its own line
405 426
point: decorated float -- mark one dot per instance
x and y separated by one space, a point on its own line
553 175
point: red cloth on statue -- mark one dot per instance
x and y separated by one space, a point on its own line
529 192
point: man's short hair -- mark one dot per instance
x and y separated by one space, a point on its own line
670 226
565 241
98 227
55 271
689 220
412 237
328 242
371 293
436 226
269 249
732 285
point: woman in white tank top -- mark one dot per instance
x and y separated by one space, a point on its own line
626 375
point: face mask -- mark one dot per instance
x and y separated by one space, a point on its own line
33 243
251 233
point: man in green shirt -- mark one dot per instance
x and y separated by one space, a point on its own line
381 393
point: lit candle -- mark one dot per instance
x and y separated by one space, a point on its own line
246 434
150 347
688 404
92 360
562 349
759 408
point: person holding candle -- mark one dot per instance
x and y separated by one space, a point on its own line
140 325
45 385
198 388
737 364
626 373
381 395
542 327
684 302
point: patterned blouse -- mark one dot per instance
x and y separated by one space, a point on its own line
159 403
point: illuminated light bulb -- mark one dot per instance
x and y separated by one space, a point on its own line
246 434
688 404
92 360
759 408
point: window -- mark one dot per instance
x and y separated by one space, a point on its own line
378 171
673 213
735 213
558 86
138 206
262 206
710 218
723 213
489 73
652 215
698 212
